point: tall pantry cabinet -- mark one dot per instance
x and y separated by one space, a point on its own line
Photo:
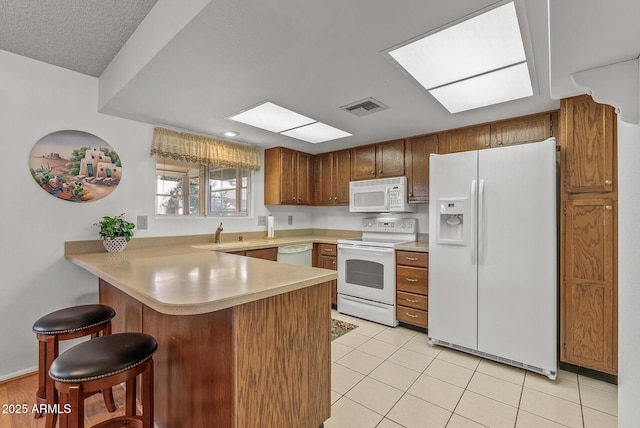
589 229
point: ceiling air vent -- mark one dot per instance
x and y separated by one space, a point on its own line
364 107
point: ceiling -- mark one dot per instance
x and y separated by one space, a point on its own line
191 65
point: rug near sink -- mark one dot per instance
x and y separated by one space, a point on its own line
339 328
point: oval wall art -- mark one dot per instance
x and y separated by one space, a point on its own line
75 166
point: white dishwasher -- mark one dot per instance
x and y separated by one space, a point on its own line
297 254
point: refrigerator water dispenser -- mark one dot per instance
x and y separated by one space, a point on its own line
451 227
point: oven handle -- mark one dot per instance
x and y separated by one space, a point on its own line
365 248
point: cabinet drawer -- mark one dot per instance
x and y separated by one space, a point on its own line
328 249
411 316
412 280
415 301
408 258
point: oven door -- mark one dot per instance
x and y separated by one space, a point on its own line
367 272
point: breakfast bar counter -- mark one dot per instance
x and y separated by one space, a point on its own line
242 342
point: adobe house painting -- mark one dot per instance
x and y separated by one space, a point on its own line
75 166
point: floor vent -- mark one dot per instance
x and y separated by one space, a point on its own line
364 107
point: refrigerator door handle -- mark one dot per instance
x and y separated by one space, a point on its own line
471 232
481 237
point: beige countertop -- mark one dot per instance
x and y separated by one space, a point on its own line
183 276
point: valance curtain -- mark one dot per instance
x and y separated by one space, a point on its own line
196 148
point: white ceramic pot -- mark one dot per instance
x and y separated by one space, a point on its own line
115 245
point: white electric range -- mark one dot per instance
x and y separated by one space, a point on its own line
367 268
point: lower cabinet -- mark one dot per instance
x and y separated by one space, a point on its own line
270 253
412 277
326 258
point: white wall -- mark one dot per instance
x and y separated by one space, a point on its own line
628 274
35 100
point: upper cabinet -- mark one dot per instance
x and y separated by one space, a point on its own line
287 177
418 150
331 176
589 129
378 160
465 139
520 130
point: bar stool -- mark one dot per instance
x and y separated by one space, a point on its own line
101 363
66 324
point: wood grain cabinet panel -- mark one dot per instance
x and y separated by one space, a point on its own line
412 287
325 256
589 146
465 139
417 152
380 160
588 235
331 177
589 285
264 253
522 130
287 177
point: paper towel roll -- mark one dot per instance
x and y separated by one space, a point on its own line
270 226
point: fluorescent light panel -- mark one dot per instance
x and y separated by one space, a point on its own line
283 121
271 117
507 84
316 133
487 42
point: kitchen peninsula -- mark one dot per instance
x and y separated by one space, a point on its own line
243 342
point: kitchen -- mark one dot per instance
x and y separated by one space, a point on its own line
43 99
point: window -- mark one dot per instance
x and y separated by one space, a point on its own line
191 189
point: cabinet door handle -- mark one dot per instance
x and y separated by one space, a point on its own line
334 262
373 172
487 144
411 300
411 279
499 143
413 259
411 315
608 207
607 182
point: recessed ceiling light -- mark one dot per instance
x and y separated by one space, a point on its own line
230 133
316 133
283 121
271 117
473 48
507 84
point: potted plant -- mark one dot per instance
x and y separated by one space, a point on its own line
115 232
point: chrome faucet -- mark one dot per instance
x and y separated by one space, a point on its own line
217 238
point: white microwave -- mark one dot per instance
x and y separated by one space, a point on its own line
383 195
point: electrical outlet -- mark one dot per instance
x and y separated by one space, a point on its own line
142 222
262 220
290 219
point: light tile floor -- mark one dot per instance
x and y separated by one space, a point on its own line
391 377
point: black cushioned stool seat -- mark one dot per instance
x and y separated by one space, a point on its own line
104 362
66 324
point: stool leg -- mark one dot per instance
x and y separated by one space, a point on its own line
147 396
107 394
50 390
64 399
42 375
75 398
130 397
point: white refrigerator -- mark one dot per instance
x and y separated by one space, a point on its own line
493 254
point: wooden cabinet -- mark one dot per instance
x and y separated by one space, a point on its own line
326 257
465 139
589 135
270 253
522 130
588 244
412 287
378 160
287 177
331 176
418 150
519 130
